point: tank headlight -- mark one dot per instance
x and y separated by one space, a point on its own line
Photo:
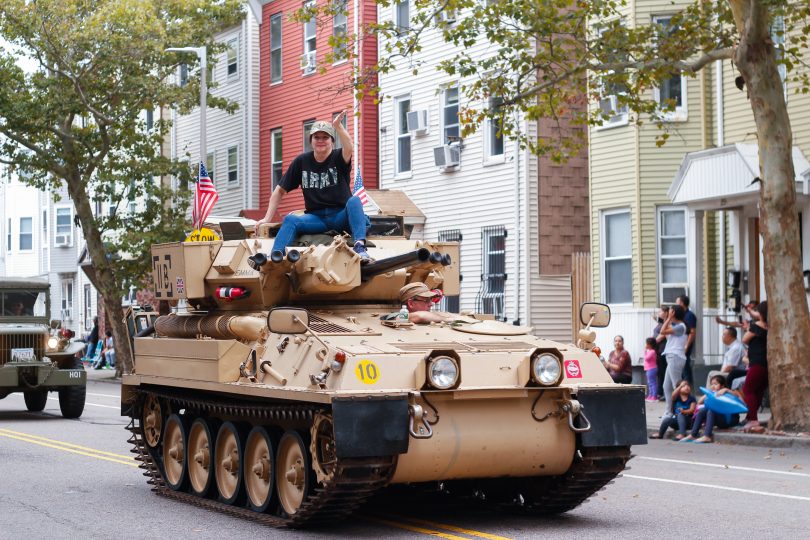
443 372
53 342
546 369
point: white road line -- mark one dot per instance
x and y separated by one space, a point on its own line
712 486
87 404
723 466
103 395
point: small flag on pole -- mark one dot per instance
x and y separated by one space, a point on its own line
359 191
205 197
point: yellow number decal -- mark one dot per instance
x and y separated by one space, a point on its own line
367 371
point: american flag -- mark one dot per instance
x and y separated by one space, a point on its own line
205 197
359 191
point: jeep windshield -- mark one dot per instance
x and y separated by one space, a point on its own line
21 303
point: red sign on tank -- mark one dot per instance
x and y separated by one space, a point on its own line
572 369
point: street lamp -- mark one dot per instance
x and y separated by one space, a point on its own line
202 54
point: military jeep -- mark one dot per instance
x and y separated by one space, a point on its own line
37 357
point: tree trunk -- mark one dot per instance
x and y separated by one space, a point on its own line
788 316
105 276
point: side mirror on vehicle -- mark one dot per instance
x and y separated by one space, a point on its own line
288 320
594 314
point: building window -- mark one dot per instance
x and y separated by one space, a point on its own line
308 61
233 58
340 26
494 133
8 236
618 278
671 93
183 74
275 48
26 234
88 308
233 164
672 270
402 16
403 150
44 237
450 125
337 142
63 235
493 271
67 300
451 304
307 127
778 38
275 156
210 164
611 92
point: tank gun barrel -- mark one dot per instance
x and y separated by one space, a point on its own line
396 262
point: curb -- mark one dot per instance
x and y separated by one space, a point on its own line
750 439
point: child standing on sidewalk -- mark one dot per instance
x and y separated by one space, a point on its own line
651 369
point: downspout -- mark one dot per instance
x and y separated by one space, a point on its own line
355 67
718 114
516 167
247 193
527 179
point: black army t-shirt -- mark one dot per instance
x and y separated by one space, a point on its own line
325 185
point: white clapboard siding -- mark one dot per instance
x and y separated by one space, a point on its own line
551 307
476 194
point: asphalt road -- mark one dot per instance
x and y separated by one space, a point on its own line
76 479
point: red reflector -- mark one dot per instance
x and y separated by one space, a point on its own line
340 357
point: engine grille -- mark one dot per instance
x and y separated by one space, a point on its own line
322 326
465 346
21 341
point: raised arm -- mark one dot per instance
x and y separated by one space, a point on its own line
345 139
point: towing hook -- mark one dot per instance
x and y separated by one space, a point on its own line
416 416
574 408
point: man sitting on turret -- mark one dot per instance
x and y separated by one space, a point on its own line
324 176
417 298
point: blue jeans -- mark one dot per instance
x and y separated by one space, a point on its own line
681 422
712 419
351 218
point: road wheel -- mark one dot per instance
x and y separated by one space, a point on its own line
228 457
35 400
200 456
259 469
174 452
294 474
152 420
71 398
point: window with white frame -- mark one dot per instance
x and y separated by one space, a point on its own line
8 235
340 26
672 270
451 304
275 48
611 94
493 271
67 299
233 164
63 233
402 106
88 308
450 123
671 93
494 132
275 157
308 60
618 272
307 143
26 233
150 119
402 16
44 235
210 165
232 65
338 143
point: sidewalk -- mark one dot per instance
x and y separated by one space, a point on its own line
772 439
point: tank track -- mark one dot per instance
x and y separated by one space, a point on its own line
355 480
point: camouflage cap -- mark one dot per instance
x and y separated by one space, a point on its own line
415 289
320 125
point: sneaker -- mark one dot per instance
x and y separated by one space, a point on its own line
360 249
651 399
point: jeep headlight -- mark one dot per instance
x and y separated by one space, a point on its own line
53 343
443 372
546 369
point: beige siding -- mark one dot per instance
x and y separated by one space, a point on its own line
551 298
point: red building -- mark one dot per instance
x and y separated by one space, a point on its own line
294 92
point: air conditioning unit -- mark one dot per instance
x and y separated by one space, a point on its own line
61 240
308 62
447 15
609 106
447 155
418 121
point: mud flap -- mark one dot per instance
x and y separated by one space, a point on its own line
370 427
617 415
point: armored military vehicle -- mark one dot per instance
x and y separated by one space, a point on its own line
37 357
280 395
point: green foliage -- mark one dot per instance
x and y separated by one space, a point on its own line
73 117
551 58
